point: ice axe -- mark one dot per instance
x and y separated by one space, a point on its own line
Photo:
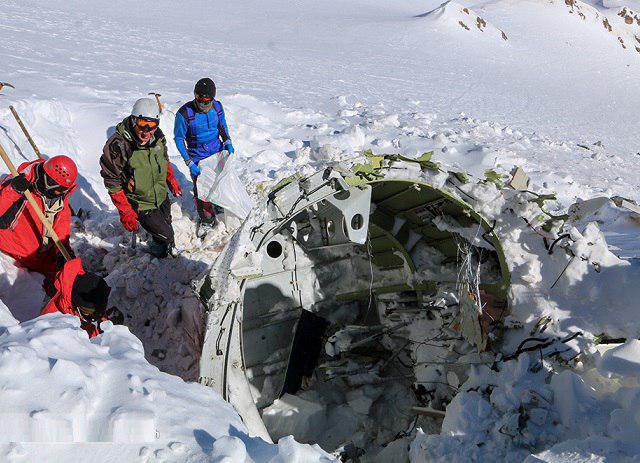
25 131
157 95
5 84
36 208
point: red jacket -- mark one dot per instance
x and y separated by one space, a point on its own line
61 301
23 239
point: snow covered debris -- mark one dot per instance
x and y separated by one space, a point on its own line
292 414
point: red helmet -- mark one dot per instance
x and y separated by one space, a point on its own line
62 169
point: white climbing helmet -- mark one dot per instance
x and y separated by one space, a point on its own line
146 108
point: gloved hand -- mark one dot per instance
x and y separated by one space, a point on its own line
20 183
129 220
228 146
172 182
174 187
128 216
60 259
193 168
115 315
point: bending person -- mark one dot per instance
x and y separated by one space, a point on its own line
136 171
84 295
201 131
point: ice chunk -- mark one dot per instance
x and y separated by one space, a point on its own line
623 360
292 414
228 449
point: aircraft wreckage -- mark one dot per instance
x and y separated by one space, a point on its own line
350 308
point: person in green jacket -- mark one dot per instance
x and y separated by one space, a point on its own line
136 171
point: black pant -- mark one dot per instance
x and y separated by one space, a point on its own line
158 223
206 210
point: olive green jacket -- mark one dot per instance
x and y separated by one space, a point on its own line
141 171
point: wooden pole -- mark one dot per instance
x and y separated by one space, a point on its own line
25 131
36 208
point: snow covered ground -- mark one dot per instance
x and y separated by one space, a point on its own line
550 86
64 396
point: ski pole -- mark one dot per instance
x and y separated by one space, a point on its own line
36 208
25 131
134 239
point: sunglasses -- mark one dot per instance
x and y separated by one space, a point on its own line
204 99
147 125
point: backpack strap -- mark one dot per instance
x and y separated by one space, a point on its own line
218 107
221 130
189 114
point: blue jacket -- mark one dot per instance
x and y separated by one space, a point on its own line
204 133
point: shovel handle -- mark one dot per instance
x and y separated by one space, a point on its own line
25 131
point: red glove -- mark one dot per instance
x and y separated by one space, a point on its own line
128 216
172 182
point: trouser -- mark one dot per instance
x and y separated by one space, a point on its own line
158 223
206 210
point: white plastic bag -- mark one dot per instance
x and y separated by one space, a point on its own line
220 184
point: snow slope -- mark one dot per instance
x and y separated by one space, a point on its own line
557 74
306 84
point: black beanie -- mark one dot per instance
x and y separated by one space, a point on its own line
91 291
205 87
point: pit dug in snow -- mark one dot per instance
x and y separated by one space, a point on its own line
351 310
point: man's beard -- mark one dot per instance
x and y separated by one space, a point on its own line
204 107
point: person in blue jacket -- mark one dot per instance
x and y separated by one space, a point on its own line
201 131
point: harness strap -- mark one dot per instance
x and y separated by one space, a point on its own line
51 209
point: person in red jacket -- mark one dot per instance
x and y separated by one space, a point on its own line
82 294
22 234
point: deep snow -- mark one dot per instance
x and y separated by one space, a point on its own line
64 396
305 84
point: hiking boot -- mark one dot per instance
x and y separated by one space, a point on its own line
158 249
173 252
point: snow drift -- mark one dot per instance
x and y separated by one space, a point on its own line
59 387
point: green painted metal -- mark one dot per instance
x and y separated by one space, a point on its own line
453 206
385 249
391 241
418 203
284 182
